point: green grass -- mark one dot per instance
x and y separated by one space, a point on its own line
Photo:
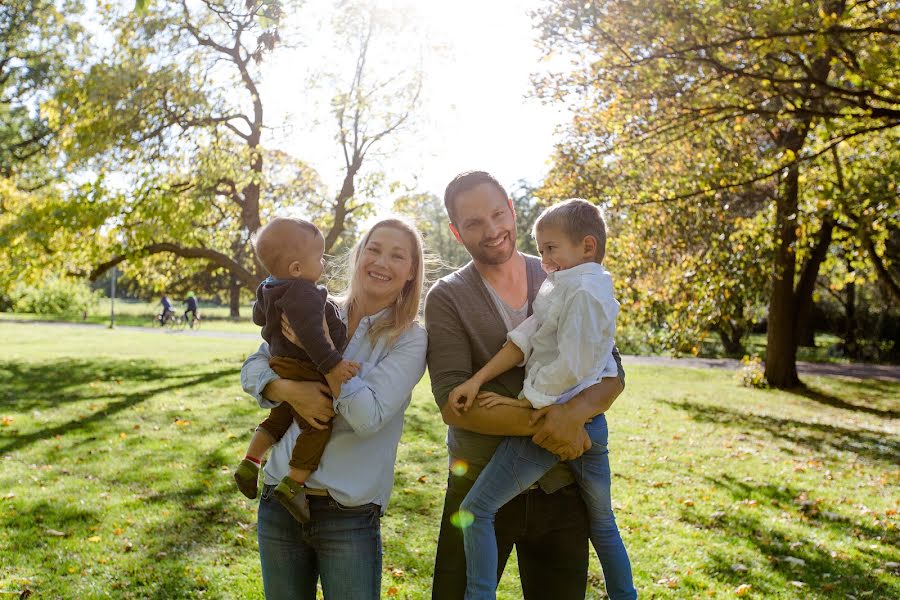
141 314
117 446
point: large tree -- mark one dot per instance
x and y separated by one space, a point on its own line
173 128
783 82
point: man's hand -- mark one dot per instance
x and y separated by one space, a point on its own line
309 398
561 431
490 399
463 396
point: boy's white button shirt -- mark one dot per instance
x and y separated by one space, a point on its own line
569 339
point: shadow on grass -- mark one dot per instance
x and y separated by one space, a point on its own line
49 384
791 556
876 387
819 437
425 428
803 505
127 401
202 518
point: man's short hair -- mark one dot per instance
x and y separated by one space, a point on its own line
577 219
464 182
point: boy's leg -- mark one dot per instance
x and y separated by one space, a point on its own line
449 581
594 479
307 453
515 466
247 473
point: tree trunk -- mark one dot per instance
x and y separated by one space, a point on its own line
731 342
234 300
806 285
781 339
851 347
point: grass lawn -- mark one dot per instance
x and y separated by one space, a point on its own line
141 314
117 447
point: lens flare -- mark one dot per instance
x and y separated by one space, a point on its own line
459 467
462 519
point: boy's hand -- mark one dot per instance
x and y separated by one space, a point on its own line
342 372
345 370
463 396
490 399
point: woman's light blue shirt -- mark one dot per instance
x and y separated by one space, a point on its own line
358 464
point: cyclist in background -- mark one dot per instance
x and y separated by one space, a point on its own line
191 303
167 312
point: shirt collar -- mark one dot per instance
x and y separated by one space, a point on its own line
590 268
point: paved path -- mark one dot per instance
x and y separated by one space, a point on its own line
854 370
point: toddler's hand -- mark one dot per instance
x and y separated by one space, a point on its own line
345 370
463 396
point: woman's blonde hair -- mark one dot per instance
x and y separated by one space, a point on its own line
404 311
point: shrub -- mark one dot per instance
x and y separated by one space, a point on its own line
54 297
751 372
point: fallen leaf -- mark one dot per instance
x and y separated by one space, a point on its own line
397 573
94 538
7 421
55 533
669 582
128 547
743 589
392 591
423 479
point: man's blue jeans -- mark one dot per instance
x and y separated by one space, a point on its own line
341 546
515 466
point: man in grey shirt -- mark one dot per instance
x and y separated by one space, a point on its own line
467 315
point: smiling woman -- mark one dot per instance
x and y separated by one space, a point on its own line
349 491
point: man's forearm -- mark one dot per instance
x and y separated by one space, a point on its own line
498 420
596 399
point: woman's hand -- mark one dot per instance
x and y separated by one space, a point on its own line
561 431
310 399
289 332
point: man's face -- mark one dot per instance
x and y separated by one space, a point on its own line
485 224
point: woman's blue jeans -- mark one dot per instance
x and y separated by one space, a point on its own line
340 545
515 466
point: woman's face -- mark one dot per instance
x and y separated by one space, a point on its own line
385 264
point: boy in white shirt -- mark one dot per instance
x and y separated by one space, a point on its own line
566 346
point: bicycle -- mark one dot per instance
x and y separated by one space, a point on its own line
193 322
166 319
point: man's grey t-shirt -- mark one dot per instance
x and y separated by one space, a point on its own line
465 329
512 317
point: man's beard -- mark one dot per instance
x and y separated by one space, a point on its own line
485 256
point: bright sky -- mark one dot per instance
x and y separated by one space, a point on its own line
474 114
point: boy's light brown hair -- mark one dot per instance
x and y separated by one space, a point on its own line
280 241
577 219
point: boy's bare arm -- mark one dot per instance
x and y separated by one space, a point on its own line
508 357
